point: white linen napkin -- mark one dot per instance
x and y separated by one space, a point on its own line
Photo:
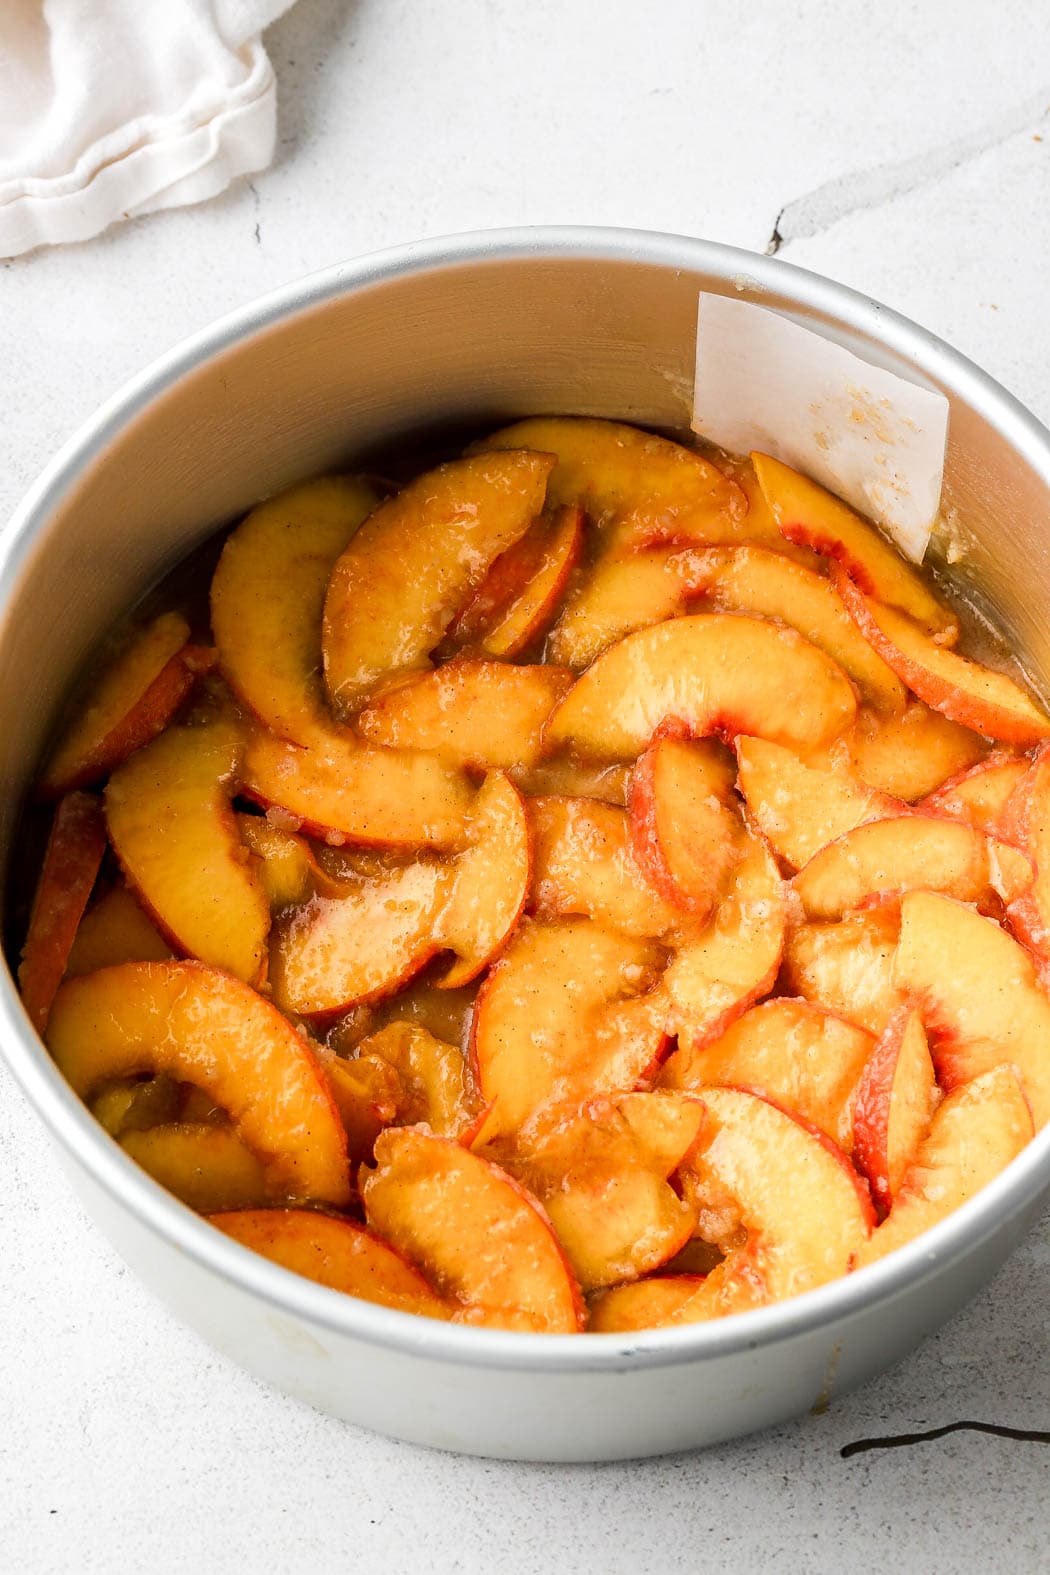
112 108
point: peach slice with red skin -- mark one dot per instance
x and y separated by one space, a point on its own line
809 1061
267 598
685 834
207 1167
1026 819
712 673
133 700
808 515
907 756
749 1158
623 590
173 829
734 961
567 1012
519 596
416 562
645 486
488 882
883 859
965 691
605 1187
343 792
334 952
472 712
846 968
203 1026
987 1008
981 793
974 1135
335 1252
767 585
800 808
642 1304
361 945
630 586
473 1231
116 929
583 864
72 860
896 1099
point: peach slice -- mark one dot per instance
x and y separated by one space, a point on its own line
473 1231
287 867
267 597
175 834
75 846
134 700
606 1190
333 952
987 1007
800 808
965 691
761 525
749 1158
563 776
583 864
334 1252
768 585
203 1026
974 1135
432 1075
471 712
519 596
115 930
685 834
630 586
652 489
805 1059
1027 820
562 1016
643 1304
979 794
625 590
715 977
896 1099
847 967
808 515
907 756
713 673
886 858
368 1094
206 1167
488 882
345 793
663 1125
417 561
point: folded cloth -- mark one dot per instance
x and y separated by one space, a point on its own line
112 108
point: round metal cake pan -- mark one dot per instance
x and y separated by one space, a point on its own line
420 344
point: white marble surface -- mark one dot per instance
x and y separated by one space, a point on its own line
900 147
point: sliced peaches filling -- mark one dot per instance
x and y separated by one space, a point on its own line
589 887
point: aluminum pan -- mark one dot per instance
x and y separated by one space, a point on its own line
842 313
